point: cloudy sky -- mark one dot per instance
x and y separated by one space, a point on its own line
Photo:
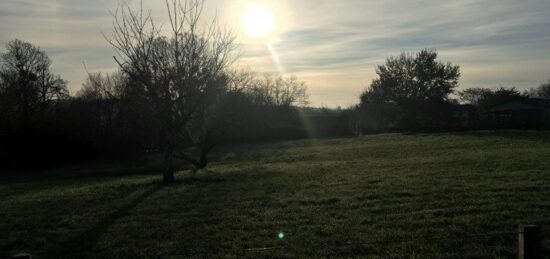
333 45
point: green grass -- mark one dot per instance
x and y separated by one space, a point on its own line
438 195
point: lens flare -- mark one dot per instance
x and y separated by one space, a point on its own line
275 58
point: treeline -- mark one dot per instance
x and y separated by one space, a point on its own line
417 92
112 115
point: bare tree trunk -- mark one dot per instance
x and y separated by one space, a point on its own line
202 162
205 151
26 107
168 175
204 158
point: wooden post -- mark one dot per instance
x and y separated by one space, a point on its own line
530 242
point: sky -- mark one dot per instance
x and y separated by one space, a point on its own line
332 45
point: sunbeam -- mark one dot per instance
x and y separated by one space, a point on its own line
276 59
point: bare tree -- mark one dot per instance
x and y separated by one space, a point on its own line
279 91
27 80
218 114
543 91
487 97
177 70
474 96
100 86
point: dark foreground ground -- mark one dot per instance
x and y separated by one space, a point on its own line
442 195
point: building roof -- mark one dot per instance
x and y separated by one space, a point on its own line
526 104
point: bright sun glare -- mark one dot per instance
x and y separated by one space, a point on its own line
258 21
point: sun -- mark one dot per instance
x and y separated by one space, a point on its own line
258 21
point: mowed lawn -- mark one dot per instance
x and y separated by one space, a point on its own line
426 195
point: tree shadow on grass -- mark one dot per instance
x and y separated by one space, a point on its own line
193 180
12 186
84 244
81 245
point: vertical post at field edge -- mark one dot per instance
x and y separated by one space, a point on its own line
530 242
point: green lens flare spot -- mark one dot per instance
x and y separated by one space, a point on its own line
281 235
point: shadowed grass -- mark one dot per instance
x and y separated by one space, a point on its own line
438 195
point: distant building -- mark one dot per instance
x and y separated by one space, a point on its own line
530 113
465 115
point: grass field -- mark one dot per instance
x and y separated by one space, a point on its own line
438 195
